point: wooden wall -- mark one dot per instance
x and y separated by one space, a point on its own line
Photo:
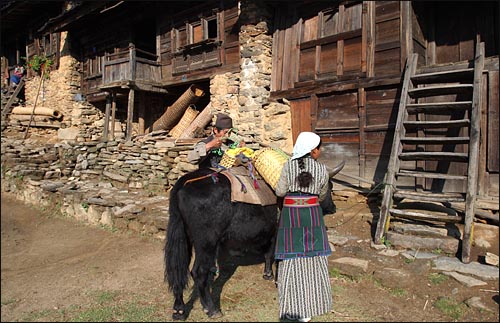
341 68
188 53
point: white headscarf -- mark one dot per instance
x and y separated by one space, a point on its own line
306 141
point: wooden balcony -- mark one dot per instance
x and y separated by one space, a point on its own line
127 68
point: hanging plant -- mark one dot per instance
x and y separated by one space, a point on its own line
40 64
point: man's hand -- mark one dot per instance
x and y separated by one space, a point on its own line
214 143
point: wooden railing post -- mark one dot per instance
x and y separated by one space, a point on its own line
132 54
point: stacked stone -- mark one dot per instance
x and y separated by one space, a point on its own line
20 160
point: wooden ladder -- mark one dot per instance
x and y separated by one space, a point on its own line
6 109
437 128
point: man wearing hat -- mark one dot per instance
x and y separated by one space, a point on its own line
208 152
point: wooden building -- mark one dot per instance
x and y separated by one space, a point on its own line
341 65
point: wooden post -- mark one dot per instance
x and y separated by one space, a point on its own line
106 116
142 112
370 41
362 133
113 114
405 32
132 54
340 43
130 113
472 171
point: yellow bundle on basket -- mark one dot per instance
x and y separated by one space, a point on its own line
229 157
269 163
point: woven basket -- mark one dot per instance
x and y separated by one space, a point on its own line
188 117
227 161
175 112
201 121
269 163
229 157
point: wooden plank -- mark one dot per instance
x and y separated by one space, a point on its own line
300 111
370 42
430 196
430 175
340 43
405 31
438 107
473 154
443 76
483 124
422 216
493 116
434 155
113 114
440 90
435 140
13 96
130 113
437 124
386 204
362 135
106 117
364 36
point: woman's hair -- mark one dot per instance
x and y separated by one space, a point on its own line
304 179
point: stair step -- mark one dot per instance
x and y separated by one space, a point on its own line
443 76
418 174
430 196
435 140
431 155
437 124
438 108
423 216
420 92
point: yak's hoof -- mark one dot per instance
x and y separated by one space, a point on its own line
178 315
268 276
215 315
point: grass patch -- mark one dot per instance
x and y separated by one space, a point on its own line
450 307
398 292
437 278
9 301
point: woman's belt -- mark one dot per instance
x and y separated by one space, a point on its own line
301 201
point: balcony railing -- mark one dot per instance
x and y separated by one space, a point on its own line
130 65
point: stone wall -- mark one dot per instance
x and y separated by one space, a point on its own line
268 123
148 165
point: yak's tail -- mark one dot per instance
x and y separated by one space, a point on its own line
177 246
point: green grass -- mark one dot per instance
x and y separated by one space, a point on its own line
105 306
398 292
437 278
450 307
8 301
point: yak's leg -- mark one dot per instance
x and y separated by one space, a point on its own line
204 261
179 306
269 260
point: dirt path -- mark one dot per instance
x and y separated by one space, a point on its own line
56 269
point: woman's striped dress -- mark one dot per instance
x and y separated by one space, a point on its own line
304 287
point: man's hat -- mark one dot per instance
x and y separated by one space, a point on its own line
223 121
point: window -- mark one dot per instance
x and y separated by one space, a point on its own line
204 30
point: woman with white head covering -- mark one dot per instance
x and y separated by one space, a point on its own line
302 246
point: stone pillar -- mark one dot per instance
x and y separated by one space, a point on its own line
255 38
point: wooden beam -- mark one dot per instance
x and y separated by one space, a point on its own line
130 113
113 114
106 117
472 170
142 104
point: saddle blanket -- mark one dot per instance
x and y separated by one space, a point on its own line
243 190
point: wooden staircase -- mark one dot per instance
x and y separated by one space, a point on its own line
435 152
8 100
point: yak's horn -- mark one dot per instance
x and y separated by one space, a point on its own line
336 169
